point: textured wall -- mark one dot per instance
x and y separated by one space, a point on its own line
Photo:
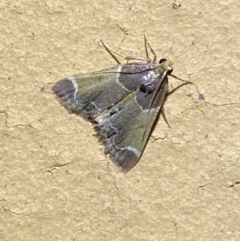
56 183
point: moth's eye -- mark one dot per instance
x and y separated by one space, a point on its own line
170 71
162 60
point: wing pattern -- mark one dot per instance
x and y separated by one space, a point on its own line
123 102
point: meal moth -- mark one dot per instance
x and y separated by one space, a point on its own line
123 102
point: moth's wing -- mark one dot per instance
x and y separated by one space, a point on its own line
91 94
126 130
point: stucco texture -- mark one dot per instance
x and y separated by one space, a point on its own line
57 183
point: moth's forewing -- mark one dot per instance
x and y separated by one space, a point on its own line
91 94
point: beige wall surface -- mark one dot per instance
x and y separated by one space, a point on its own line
56 182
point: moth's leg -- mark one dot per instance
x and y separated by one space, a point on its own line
175 77
147 59
164 116
146 49
113 53
147 45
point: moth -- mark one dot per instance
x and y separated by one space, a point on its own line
123 102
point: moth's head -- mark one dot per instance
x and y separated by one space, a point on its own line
166 66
